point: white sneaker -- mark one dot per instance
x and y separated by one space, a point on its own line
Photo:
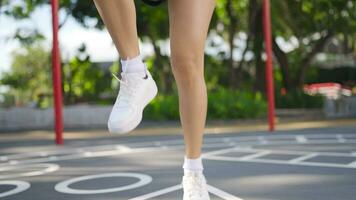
194 187
136 91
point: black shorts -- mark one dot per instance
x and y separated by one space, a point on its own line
153 2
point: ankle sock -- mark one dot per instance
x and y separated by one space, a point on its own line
193 165
133 65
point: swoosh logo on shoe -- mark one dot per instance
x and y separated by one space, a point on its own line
146 77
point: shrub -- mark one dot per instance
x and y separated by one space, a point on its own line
229 104
298 99
163 107
222 104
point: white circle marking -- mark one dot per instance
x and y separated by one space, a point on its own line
63 187
48 169
20 187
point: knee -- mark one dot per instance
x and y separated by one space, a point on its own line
187 65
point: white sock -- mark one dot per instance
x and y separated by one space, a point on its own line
133 65
193 165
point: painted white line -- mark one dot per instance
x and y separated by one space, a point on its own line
43 154
219 152
254 156
84 155
177 147
3 158
222 194
88 154
157 143
123 148
314 164
331 154
178 141
232 144
297 152
103 154
340 138
48 168
309 142
20 187
352 164
213 190
302 158
25 155
13 162
240 140
301 139
63 187
226 140
40 154
262 140
159 192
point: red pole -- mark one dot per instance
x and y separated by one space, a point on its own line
269 67
56 76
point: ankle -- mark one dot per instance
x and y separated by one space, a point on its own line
132 65
193 166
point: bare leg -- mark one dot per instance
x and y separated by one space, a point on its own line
119 17
189 22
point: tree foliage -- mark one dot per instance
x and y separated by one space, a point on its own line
83 81
307 26
30 76
313 24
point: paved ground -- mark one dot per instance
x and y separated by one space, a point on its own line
315 164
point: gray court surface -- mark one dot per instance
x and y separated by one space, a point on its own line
315 164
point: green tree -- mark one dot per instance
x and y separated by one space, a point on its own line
312 24
152 28
30 76
84 81
229 17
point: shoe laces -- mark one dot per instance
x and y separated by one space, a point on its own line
194 187
127 89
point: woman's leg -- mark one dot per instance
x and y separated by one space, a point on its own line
119 17
189 23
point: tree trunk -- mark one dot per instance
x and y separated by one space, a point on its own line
231 36
282 59
163 68
253 10
259 82
307 60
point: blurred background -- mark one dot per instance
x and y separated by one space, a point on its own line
314 46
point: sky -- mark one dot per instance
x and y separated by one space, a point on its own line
71 36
